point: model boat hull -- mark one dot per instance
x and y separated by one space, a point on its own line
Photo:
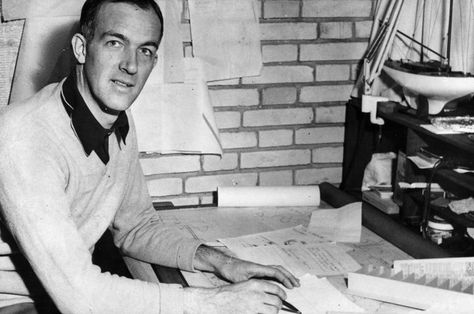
439 89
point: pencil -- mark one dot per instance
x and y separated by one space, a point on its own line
288 307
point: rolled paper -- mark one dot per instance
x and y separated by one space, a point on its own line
243 196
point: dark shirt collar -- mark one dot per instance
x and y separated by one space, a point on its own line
91 134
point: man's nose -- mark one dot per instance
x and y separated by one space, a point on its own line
129 63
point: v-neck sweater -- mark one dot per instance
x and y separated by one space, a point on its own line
57 201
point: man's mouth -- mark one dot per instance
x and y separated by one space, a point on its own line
122 83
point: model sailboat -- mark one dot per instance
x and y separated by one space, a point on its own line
425 47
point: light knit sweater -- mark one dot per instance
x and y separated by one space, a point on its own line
57 202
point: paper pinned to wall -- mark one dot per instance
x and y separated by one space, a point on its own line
341 225
226 36
45 54
10 38
177 118
21 9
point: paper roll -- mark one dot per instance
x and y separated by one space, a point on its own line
268 196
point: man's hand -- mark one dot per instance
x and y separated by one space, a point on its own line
237 270
251 296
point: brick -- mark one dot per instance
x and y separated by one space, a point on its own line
333 72
363 29
173 164
278 117
210 183
333 51
188 51
279 95
333 114
229 161
163 187
275 138
238 139
355 71
208 200
279 53
282 74
288 31
276 178
275 158
227 119
335 30
318 175
234 97
328 154
319 135
337 8
325 93
281 9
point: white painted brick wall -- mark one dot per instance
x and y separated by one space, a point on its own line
288 31
278 117
228 161
328 154
279 53
333 72
337 8
279 95
275 138
210 183
335 30
282 74
238 139
234 97
281 8
276 178
319 135
326 93
318 175
275 158
333 51
284 126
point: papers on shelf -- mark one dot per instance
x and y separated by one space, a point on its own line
341 225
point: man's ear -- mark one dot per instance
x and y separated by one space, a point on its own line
78 43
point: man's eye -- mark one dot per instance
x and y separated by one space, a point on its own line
146 52
114 43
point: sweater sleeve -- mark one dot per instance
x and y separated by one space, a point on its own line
36 211
139 232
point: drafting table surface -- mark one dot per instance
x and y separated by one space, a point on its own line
209 224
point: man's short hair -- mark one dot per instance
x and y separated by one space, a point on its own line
91 8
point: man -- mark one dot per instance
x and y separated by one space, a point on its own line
70 170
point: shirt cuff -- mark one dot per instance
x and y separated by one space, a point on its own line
186 252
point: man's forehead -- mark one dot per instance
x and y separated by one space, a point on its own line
129 20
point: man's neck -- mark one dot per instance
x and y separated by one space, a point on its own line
105 119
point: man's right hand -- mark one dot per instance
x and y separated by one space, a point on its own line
251 296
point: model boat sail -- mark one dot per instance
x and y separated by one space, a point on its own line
427 48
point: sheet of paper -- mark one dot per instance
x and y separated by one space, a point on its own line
177 117
456 268
21 9
319 296
281 237
246 196
341 225
323 259
226 35
10 38
45 55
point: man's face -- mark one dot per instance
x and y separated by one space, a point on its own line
121 55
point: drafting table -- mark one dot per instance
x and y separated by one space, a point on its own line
212 223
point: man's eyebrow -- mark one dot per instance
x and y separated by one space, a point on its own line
124 38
